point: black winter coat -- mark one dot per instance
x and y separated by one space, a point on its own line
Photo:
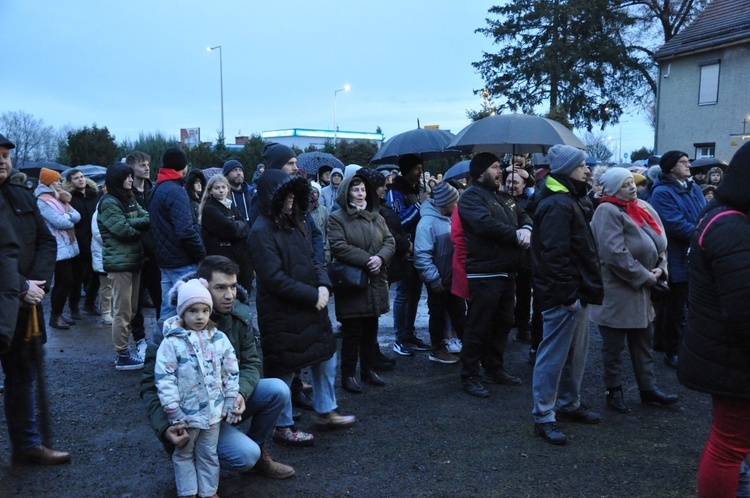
38 251
225 233
397 266
293 333
715 347
85 203
563 249
490 219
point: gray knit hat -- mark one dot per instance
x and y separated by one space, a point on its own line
444 195
564 159
613 179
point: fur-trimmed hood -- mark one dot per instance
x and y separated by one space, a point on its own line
273 187
373 202
90 184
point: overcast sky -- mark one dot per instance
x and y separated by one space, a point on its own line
142 65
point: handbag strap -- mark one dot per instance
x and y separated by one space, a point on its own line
711 221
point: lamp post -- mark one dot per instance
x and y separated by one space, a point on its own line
221 80
620 144
335 126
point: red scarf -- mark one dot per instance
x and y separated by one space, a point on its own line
166 174
636 212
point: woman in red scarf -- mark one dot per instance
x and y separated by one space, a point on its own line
632 247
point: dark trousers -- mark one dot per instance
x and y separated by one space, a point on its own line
63 285
670 319
358 335
522 311
83 275
406 302
444 305
488 322
151 281
537 328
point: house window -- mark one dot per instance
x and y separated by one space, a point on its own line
705 150
709 86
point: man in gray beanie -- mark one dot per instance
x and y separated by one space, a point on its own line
496 229
567 278
433 259
678 200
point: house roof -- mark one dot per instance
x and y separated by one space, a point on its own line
721 22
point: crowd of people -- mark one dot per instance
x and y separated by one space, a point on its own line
544 250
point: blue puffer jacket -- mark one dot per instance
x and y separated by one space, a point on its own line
679 208
176 232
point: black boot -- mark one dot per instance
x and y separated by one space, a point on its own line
350 384
658 397
372 378
616 400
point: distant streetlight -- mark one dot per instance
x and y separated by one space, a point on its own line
221 80
335 125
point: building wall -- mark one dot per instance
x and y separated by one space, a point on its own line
682 123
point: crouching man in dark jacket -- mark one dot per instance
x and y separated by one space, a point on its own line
262 399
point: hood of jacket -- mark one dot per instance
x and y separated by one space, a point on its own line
273 187
44 189
333 172
190 179
428 210
733 189
373 203
116 175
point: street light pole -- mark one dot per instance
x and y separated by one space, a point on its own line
221 80
335 126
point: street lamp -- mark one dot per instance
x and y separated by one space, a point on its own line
221 80
335 126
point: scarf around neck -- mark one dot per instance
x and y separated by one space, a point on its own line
635 211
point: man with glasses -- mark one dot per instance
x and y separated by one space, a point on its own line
678 200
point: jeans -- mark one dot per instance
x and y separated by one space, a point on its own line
488 322
240 450
19 403
151 281
406 302
196 465
727 446
324 395
169 277
560 361
639 345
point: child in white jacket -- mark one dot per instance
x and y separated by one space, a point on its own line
197 379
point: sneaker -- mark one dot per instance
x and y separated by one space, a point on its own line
292 437
128 361
475 388
453 345
417 344
403 348
443 356
107 318
272 469
333 420
141 346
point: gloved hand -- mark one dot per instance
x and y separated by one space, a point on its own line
176 416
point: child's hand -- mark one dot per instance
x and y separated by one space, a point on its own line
233 408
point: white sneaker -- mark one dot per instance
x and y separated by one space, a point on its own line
107 318
141 346
453 345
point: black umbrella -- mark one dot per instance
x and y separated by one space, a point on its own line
706 163
458 170
428 143
310 162
33 169
513 134
387 167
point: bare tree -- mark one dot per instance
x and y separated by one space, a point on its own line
597 145
34 141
